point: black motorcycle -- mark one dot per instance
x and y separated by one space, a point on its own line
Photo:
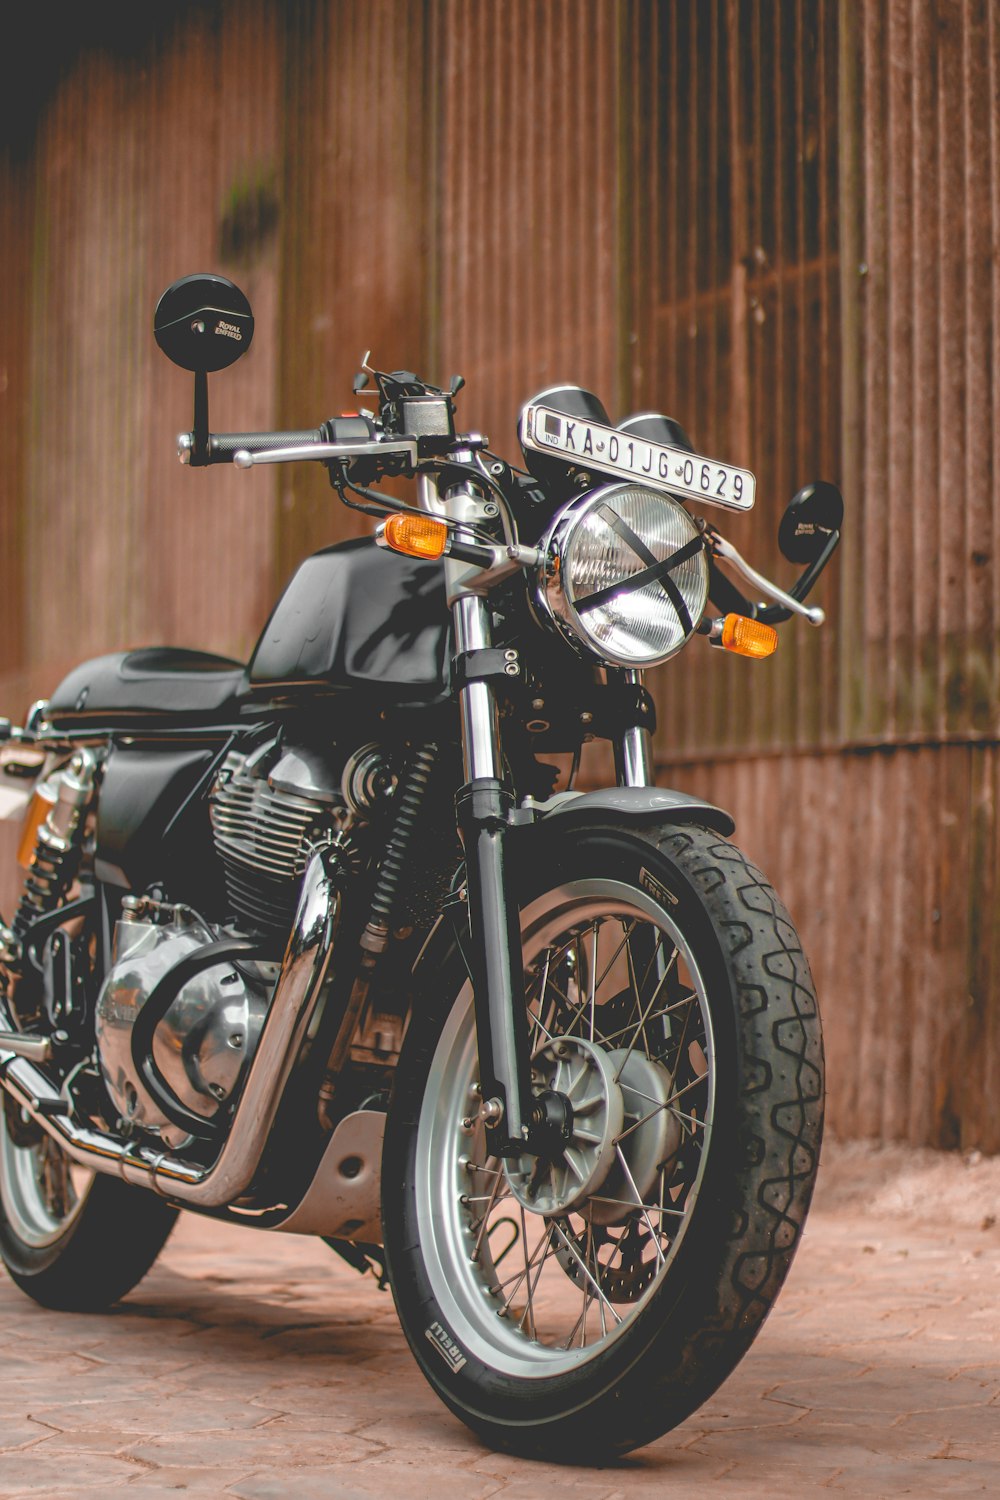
315 945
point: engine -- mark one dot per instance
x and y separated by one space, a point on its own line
206 1040
269 809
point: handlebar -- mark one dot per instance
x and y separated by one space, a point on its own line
353 443
397 455
349 442
223 445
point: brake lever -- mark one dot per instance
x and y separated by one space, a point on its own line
325 452
728 553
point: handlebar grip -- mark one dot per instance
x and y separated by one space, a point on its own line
222 445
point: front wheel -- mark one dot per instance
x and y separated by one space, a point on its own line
582 1305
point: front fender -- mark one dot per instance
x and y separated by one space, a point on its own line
646 803
642 804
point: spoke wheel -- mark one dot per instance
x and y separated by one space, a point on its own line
578 1304
71 1239
545 1260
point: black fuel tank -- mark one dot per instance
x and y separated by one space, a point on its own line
355 616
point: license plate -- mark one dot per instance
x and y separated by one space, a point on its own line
609 451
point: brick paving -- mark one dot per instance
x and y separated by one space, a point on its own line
261 1367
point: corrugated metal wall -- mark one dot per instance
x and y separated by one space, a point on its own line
147 160
873 798
776 219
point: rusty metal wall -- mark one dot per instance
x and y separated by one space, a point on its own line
872 799
734 317
527 217
143 159
357 206
16 219
136 156
775 219
922 591
889 861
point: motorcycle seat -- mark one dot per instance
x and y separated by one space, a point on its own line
146 688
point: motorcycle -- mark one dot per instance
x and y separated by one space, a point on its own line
314 944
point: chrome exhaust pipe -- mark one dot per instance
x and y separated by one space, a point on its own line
303 974
35 1048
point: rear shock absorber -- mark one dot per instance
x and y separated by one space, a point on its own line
409 799
58 844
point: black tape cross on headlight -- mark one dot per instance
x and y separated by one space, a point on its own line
653 572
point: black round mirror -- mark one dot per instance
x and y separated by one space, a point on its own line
203 323
812 515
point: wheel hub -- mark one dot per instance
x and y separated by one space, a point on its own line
585 1075
619 1135
650 1139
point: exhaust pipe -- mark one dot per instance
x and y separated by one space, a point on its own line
35 1048
303 973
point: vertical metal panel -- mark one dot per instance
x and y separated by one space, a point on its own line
776 220
16 217
527 258
137 153
927 300
888 862
735 329
141 160
357 171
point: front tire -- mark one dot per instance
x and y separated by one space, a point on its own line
581 1307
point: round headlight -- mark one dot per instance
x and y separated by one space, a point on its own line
624 575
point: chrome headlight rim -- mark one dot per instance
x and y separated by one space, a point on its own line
555 599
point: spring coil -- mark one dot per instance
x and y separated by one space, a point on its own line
51 874
58 844
410 797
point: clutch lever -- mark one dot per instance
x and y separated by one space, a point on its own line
773 614
720 548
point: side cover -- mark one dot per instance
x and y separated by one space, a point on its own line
354 616
152 821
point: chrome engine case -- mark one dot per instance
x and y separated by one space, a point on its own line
205 1042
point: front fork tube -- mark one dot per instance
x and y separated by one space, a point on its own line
509 1108
497 970
634 764
484 805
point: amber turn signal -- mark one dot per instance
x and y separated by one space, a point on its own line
417 536
748 637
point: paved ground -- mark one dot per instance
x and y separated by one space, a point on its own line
261 1367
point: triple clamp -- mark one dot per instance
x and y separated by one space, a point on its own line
483 664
